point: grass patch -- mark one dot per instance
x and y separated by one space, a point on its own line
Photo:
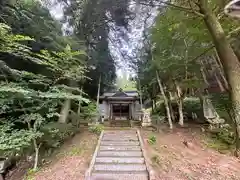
30 174
75 151
155 160
218 144
96 129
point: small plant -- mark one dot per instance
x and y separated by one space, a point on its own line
96 129
76 151
155 159
152 139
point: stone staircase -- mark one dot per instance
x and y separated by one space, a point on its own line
118 156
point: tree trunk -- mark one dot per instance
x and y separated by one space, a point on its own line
79 103
165 101
153 108
222 89
168 95
98 96
140 94
228 59
180 104
220 68
180 111
36 147
65 111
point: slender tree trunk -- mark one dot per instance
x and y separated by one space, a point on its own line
228 59
180 104
79 103
219 82
36 147
98 93
153 108
168 95
204 74
220 68
98 96
180 111
165 101
65 111
140 94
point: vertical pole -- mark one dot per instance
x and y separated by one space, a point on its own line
140 93
98 94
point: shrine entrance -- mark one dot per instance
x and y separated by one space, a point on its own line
120 111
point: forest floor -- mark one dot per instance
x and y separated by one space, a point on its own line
69 162
170 157
174 159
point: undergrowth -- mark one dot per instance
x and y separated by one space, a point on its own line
96 129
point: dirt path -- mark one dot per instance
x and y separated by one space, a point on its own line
72 160
172 159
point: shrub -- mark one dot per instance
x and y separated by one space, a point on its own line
152 139
89 112
55 133
13 141
191 105
96 129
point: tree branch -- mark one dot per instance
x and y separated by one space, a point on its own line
233 32
189 10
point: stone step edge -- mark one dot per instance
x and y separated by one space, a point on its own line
120 164
89 171
123 150
121 172
122 145
120 156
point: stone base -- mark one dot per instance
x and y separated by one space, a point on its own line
146 124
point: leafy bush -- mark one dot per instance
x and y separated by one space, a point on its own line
55 133
193 105
89 112
190 105
152 139
97 129
14 141
222 103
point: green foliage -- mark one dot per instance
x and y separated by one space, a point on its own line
221 139
96 129
89 112
193 105
14 141
152 139
222 103
55 133
125 83
31 98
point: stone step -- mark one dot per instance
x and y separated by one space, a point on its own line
119 176
121 143
120 148
117 132
138 160
119 154
119 167
114 138
121 135
119 139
